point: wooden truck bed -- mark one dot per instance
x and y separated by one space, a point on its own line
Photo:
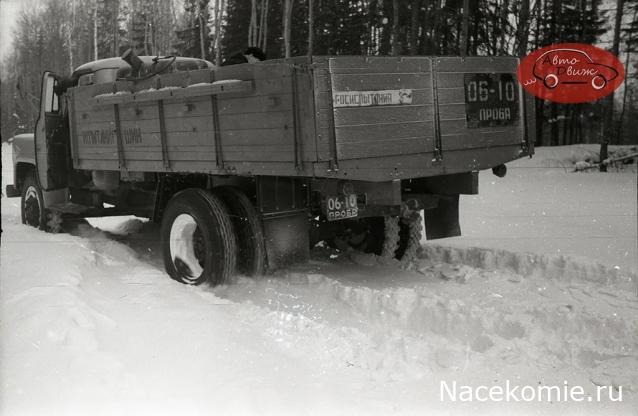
359 118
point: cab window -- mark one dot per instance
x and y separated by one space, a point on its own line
51 104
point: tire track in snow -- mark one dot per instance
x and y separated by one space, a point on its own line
463 305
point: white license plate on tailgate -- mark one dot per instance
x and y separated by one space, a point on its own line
341 206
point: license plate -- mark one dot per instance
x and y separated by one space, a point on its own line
341 206
491 100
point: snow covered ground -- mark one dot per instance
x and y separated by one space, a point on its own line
542 206
541 291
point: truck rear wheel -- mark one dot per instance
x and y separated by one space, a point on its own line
251 248
198 240
388 237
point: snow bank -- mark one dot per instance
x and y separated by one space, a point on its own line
91 324
531 264
569 156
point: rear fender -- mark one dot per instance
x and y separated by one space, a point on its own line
442 221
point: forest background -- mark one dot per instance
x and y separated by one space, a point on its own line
60 35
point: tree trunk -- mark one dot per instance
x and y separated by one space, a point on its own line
95 55
116 31
554 131
394 40
252 27
218 26
286 18
522 32
414 26
626 87
504 14
311 27
202 46
609 101
145 38
464 27
265 27
260 31
69 35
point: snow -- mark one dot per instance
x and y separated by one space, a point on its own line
541 206
91 324
112 94
226 81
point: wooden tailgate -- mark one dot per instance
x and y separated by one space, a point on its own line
458 131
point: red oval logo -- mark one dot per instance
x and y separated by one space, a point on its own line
570 73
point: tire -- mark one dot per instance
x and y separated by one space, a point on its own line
365 235
32 209
251 247
410 233
198 241
388 237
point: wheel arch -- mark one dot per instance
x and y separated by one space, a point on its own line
168 185
22 170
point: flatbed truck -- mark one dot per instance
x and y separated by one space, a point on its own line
248 166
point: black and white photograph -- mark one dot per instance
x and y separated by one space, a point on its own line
319 207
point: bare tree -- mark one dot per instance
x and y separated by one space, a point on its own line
95 32
522 32
394 36
311 27
252 27
263 25
464 27
218 14
287 17
626 87
202 45
609 100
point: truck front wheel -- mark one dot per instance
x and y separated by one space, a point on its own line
198 240
32 204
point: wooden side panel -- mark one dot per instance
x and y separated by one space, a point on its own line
256 130
95 129
400 123
259 127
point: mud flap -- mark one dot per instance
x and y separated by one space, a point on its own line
443 221
287 239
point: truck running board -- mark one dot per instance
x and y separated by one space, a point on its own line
77 210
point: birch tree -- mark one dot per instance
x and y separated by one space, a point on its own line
287 17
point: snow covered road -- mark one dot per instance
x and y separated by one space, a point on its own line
92 325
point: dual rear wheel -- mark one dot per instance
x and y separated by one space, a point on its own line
204 234
389 237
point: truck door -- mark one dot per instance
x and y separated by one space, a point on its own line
51 137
